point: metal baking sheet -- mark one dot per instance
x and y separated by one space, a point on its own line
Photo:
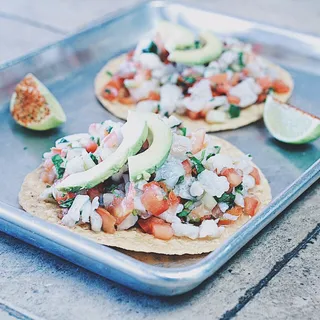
68 68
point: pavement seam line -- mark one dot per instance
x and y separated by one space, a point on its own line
278 266
31 22
15 312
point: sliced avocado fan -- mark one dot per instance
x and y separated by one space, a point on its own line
135 133
142 165
211 50
33 106
175 36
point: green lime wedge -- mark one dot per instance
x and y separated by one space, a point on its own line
33 106
290 124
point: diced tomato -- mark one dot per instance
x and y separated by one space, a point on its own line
91 146
280 87
61 197
216 212
233 99
223 88
236 211
153 95
265 83
235 79
56 150
203 112
116 82
108 221
245 72
262 97
197 140
193 115
116 210
162 231
234 178
94 192
218 78
256 175
48 177
251 205
225 222
48 165
174 200
153 199
159 228
187 166
126 100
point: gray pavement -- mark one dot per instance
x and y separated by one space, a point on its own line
274 277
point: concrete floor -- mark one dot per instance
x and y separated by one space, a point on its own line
274 277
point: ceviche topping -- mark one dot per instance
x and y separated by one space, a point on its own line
210 78
195 191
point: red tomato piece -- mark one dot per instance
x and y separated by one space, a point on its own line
280 87
146 224
256 175
153 199
233 99
218 78
116 210
236 211
233 177
251 205
265 83
193 115
187 166
108 221
94 192
91 146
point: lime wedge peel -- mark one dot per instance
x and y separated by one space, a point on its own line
290 124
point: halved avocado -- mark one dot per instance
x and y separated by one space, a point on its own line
142 165
33 106
135 133
175 36
211 50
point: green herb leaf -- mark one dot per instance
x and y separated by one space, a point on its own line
210 155
189 80
234 111
218 148
67 204
57 161
183 213
241 60
107 90
197 164
63 140
228 198
180 180
239 188
109 73
135 212
109 129
152 48
158 108
197 44
94 158
166 114
111 187
183 131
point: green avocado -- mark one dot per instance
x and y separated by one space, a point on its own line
55 117
175 36
135 133
142 165
211 50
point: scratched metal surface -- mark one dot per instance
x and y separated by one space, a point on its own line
69 67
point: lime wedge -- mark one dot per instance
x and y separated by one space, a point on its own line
290 124
33 106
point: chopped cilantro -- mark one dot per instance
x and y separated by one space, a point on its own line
197 44
107 90
234 111
63 140
111 187
135 212
197 164
189 80
240 59
249 155
270 91
203 153
57 161
183 213
227 198
218 148
166 114
183 131
180 180
210 155
152 48
239 188
158 108
66 204
98 141
109 73
109 129
94 158
25 148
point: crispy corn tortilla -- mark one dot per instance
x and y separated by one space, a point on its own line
134 239
247 115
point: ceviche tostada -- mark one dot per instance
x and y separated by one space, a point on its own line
147 185
209 83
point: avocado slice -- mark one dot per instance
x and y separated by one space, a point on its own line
41 116
142 165
209 52
135 133
175 36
